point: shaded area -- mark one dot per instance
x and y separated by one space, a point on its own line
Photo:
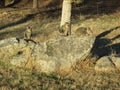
18 3
15 2
25 19
97 6
2 3
42 14
87 7
53 12
101 45
41 3
16 33
118 36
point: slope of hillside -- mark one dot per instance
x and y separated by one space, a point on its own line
105 25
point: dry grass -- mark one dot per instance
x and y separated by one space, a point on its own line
82 77
15 78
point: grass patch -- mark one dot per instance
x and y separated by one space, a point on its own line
13 77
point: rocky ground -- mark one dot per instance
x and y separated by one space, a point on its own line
106 29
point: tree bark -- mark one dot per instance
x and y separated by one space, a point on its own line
35 3
66 12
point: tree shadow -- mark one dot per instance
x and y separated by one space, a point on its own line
116 48
87 7
23 20
102 46
96 7
18 32
15 2
2 3
118 36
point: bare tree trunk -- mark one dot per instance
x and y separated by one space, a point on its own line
66 12
65 25
35 3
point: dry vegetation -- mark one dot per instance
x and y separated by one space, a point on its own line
15 78
105 27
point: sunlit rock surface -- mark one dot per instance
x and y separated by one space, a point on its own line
56 54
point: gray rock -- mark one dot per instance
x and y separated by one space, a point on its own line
116 61
10 47
108 63
19 60
56 54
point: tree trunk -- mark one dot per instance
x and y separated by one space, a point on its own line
35 3
66 12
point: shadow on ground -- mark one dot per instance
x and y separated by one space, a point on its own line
97 7
23 20
102 46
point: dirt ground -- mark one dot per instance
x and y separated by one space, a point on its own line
105 25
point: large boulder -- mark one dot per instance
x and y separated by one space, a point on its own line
56 54
116 61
